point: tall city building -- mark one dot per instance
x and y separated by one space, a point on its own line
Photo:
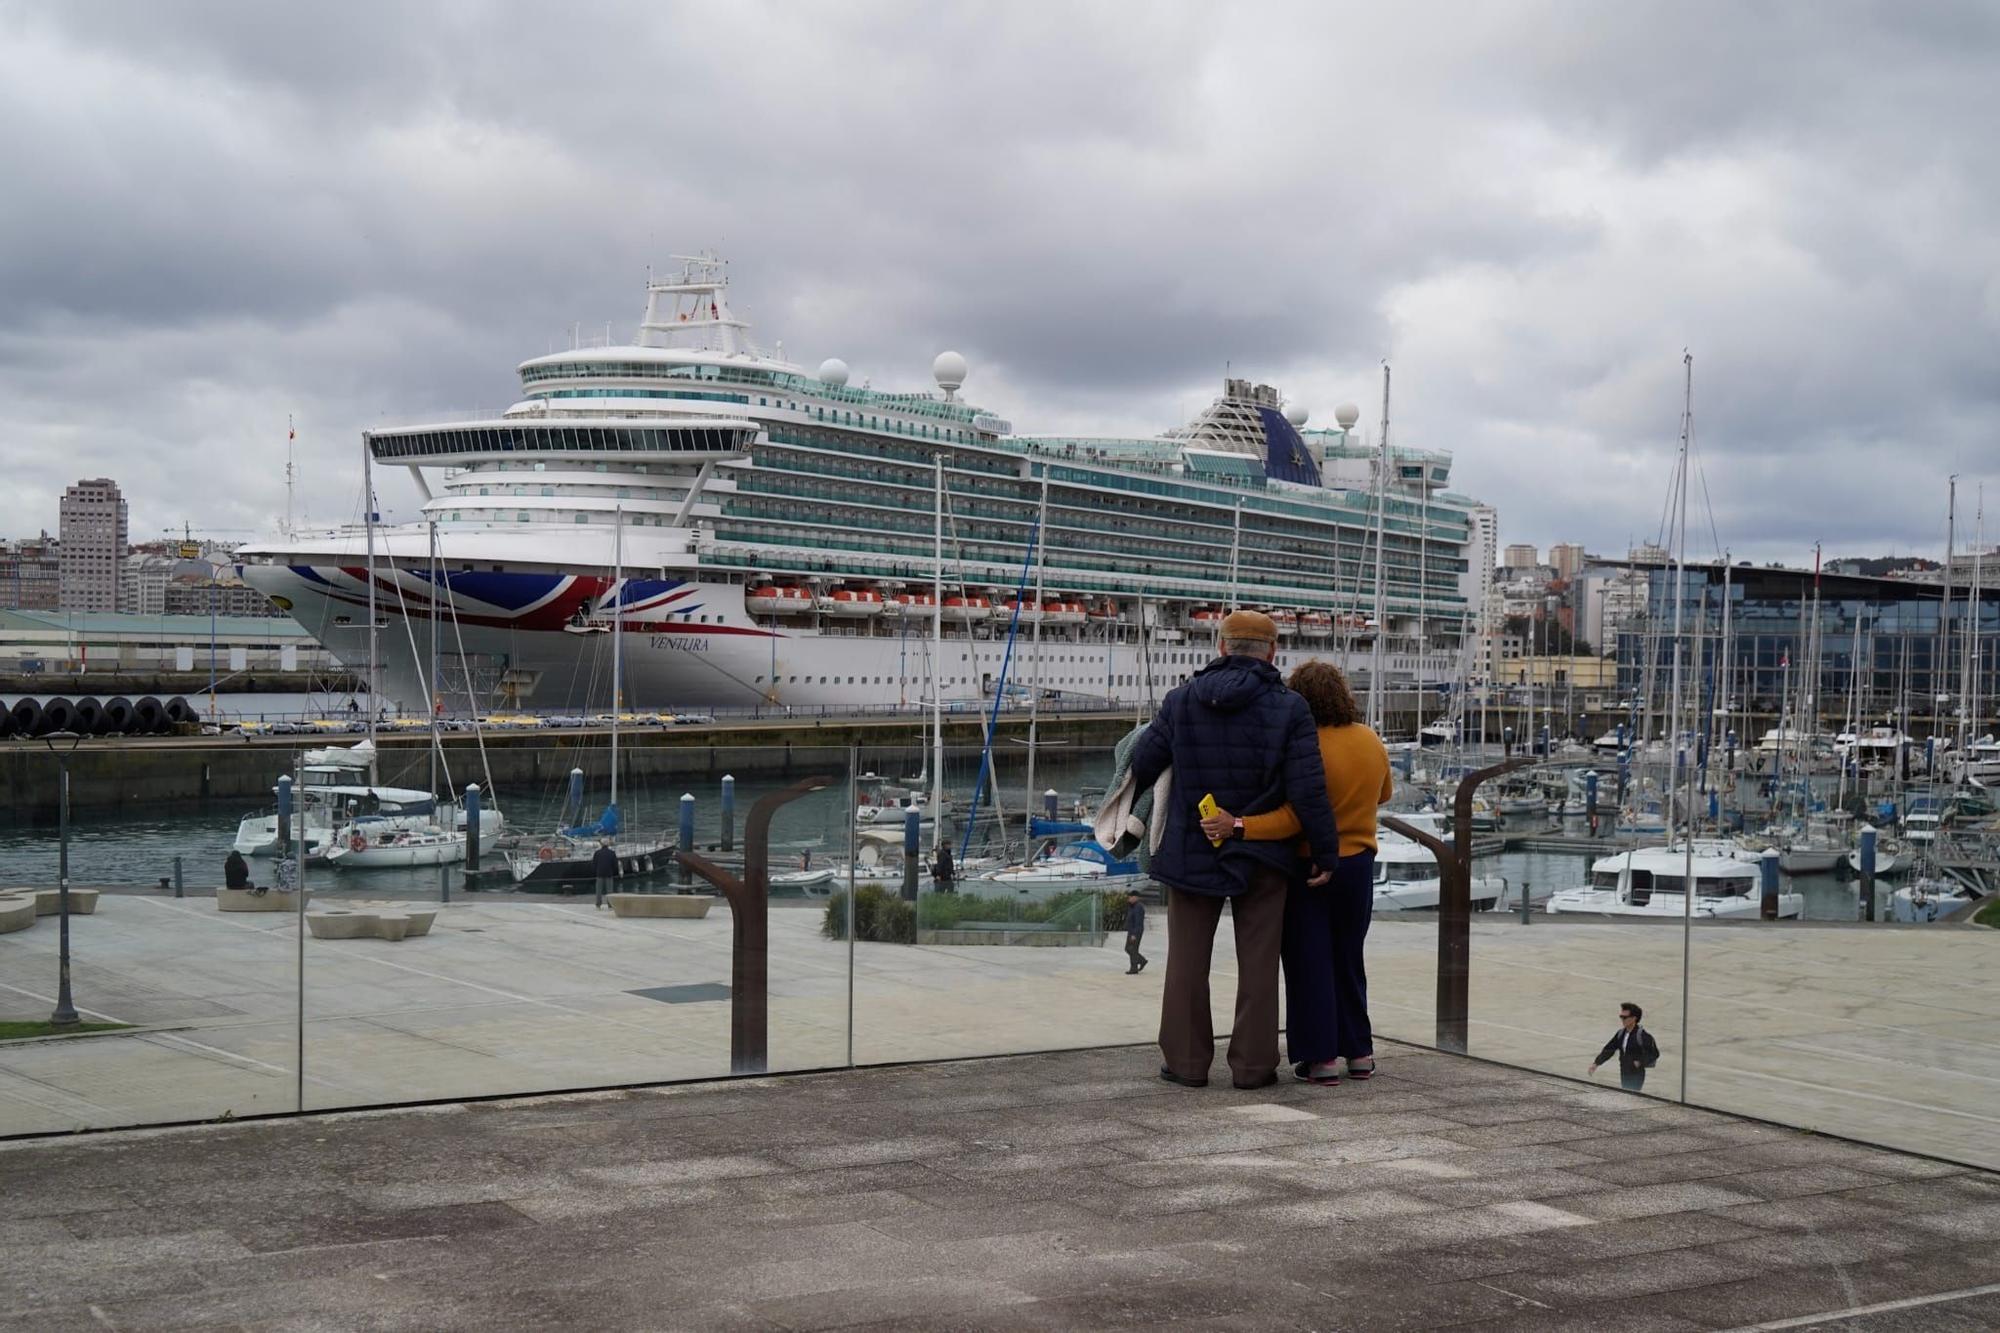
1482 553
1567 559
30 574
94 528
1521 556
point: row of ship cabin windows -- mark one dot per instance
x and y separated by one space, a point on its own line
947 682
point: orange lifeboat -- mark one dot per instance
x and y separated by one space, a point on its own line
914 604
1104 613
1316 625
1063 613
1286 621
768 599
1207 618
852 602
967 609
1027 612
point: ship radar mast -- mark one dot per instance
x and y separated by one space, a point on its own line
690 311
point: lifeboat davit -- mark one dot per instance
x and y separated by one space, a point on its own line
1063 613
852 602
967 609
768 599
1316 625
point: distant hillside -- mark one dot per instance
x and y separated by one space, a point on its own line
1878 566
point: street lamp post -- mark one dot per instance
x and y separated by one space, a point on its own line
65 1014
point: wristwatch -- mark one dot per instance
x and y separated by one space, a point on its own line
1237 827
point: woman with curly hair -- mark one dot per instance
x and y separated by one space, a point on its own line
1326 918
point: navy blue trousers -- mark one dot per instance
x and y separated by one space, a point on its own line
1326 982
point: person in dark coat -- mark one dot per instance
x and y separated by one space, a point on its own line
1635 1048
235 871
1135 928
604 865
941 869
1233 732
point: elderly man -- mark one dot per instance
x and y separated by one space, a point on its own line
1236 733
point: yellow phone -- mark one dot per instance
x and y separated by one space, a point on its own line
1209 807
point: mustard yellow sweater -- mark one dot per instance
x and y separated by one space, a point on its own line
1357 780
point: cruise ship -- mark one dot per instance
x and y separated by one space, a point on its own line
768 536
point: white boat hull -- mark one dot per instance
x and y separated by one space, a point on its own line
1606 902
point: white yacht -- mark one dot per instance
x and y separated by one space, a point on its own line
1650 881
792 538
1406 878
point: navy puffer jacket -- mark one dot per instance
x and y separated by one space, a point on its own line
1236 732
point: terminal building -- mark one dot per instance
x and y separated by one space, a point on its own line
1894 645
53 644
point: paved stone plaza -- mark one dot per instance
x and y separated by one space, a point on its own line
1880 1034
1055 1191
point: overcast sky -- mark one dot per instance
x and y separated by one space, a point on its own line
218 214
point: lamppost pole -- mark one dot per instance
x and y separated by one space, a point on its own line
65 1014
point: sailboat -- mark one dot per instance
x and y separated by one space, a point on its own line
565 857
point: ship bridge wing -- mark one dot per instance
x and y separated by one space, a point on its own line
695 440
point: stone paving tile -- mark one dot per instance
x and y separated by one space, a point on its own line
1535 1131
1647 1200
1979 1222
868 1153
1630 1275
1809 1212
934 1301
1371 1150
1652 1143
1496 1189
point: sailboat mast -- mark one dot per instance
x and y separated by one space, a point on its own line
368 524
1679 563
1035 676
1381 619
617 637
436 701
937 665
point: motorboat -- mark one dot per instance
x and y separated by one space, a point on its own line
357 848
1928 899
1064 613
1407 880
1316 625
1651 881
324 802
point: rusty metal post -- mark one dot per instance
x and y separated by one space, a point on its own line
1454 860
750 930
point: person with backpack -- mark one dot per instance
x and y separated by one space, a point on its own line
1636 1050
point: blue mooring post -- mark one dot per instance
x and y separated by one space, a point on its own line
1621 738
912 829
1590 799
1404 760
1868 836
1049 799
1729 751
728 813
1544 743
1767 876
573 809
1624 775
1507 742
1930 755
284 817
471 838
685 840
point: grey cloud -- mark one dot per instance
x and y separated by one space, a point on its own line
231 211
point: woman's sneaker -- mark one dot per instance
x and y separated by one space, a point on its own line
1362 1067
1326 1074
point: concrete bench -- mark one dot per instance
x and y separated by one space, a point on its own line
48 902
271 900
381 923
683 905
17 912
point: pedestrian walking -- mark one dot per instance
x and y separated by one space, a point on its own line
604 865
1233 734
1135 929
1635 1048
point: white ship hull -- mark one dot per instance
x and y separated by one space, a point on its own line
521 651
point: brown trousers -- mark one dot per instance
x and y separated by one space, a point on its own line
1187 1032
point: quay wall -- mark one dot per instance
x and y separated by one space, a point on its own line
105 684
114 773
